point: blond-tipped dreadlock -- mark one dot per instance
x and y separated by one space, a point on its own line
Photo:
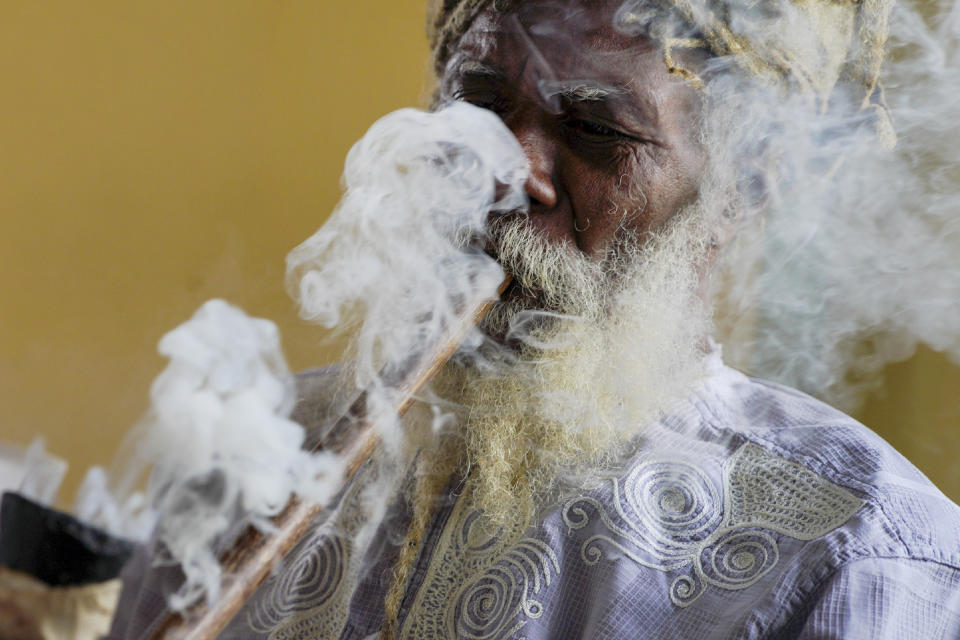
843 41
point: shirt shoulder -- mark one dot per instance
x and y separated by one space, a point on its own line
903 515
882 599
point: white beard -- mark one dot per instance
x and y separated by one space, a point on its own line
612 345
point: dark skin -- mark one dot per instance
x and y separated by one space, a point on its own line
608 131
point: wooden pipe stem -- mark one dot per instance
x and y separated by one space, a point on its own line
248 563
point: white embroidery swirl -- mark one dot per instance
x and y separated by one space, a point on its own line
676 502
736 558
491 605
481 585
309 581
667 515
309 597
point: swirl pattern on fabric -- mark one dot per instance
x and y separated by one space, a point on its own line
310 596
668 516
482 583
492 604
310 580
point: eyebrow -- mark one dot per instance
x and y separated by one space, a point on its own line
582 90
575 91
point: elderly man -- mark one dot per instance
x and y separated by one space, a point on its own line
609 476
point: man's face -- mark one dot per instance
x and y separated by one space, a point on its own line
609 133
611 140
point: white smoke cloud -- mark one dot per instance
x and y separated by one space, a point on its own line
220 446
855 243
397 264
403 251
856 258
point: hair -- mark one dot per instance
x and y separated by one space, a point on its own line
529 428
841 246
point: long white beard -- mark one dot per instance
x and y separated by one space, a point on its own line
620 340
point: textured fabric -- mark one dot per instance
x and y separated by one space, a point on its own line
750 511
33 610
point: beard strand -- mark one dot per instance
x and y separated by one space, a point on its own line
598 349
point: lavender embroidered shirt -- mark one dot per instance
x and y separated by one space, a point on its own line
751 511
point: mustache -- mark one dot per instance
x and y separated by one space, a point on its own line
551 283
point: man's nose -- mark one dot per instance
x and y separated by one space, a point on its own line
541 153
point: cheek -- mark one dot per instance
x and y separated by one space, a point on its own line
669 181
691 165
610 175
639 193
605 196
631 188
623 183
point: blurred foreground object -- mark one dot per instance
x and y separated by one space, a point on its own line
354 437
30 609
32 472
58 576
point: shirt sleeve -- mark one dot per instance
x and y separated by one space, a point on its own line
887 599
143 600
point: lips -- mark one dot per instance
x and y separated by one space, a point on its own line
519 296
516 292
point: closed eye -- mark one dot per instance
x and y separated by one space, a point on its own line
485 99
593 130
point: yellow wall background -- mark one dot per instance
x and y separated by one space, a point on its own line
155 154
